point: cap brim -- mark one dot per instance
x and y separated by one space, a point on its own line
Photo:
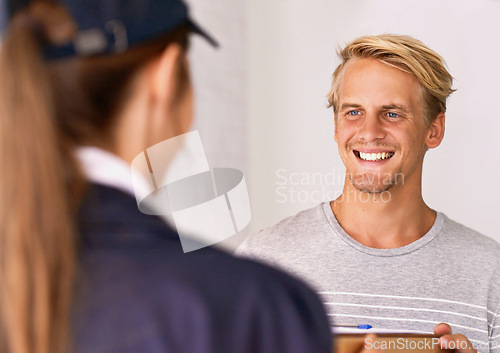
198 30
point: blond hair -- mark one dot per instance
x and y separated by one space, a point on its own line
404 53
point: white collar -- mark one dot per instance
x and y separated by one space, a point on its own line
105 168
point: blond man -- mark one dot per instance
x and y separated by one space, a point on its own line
378 254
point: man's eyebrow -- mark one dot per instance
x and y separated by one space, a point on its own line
349 105
399 107
396 107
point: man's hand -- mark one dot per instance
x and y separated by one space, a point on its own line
457 342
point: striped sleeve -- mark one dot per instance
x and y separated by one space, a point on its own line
495 332
494 316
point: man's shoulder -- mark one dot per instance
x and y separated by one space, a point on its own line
470 239
295 224
286 231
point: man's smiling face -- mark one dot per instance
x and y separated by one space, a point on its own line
380 127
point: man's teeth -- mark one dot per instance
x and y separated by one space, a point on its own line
375 156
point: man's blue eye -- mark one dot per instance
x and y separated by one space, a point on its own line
354 112
392 115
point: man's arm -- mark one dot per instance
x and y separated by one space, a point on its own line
495 315
495 333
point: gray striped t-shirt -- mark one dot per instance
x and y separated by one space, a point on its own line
451 274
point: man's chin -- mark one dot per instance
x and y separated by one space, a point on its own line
375 183
372 189
371 185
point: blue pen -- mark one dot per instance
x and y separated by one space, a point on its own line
363 327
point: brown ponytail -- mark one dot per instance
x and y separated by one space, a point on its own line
37 243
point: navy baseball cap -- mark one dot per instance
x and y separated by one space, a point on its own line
112 26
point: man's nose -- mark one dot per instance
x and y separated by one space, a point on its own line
371 128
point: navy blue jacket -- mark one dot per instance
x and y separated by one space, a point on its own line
138 292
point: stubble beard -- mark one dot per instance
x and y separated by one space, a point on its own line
373 183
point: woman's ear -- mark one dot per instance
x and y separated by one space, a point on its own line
163 75
169 94
435 132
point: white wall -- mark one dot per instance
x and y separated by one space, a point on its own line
220 79
292 57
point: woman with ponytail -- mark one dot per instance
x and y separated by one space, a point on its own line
81 268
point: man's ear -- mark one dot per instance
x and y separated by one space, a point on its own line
435 132
163 77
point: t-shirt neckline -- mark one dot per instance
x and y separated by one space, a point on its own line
417 244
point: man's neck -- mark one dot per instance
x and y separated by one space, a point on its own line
390 220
